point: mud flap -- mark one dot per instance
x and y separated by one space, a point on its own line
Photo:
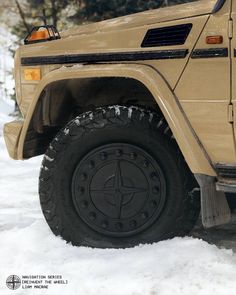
214 206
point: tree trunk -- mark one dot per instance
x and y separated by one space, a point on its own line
22 15
44 17
54 13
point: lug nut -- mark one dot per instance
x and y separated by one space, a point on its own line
84 204
145 163
133 223
91 164
153 203
83 177
144 215
133 156
92 215
154 176
103 156
104 224
119 153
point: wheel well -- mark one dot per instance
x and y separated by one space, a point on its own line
63 100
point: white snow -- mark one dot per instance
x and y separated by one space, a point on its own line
130 111
150 117
6 62
48 158
181 266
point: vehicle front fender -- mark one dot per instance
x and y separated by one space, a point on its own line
190 146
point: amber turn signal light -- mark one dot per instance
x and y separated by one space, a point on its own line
32 74
39 35
218 39
42 34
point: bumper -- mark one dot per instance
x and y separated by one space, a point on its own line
12 133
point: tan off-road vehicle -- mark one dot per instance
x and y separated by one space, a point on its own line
135 116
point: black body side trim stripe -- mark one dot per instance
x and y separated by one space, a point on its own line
210 53
234 52
104 57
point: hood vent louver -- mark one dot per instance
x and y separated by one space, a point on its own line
167 36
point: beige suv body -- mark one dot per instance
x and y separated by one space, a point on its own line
178 61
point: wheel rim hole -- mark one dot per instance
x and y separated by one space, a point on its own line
156 190
81 190
119 153
84 204
119 225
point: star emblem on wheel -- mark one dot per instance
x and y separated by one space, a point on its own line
119 190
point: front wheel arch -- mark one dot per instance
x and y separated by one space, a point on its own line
193 152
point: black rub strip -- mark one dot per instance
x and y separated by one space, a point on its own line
210 53
104 57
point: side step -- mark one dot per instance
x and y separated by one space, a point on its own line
226 187
227 178
214 205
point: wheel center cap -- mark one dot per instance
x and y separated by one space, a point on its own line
118 194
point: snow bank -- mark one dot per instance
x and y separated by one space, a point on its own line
6 107
6 79
6 62
181 266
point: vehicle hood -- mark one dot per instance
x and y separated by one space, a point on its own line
145 18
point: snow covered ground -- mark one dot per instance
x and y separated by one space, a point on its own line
27 247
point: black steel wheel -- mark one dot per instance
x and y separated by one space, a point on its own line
118 189
115 178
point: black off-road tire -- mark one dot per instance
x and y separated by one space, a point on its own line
116 178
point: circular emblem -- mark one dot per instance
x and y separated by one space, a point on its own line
13 282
